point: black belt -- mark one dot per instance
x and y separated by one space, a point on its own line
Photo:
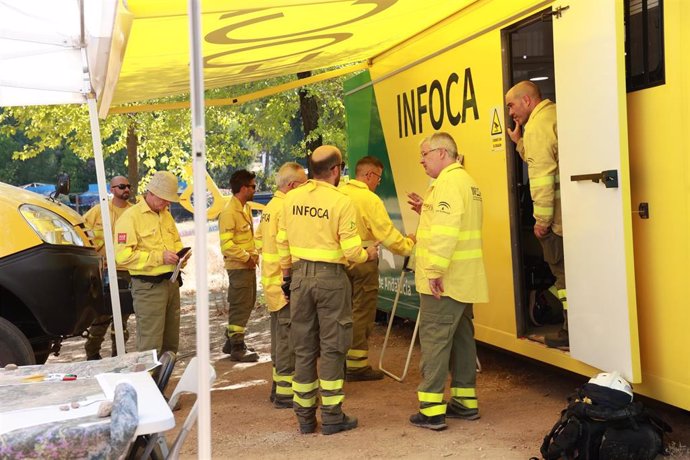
153 279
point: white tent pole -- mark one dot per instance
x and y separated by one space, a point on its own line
107 225
196 71
89 94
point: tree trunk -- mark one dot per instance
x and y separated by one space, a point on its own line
132 159
309 111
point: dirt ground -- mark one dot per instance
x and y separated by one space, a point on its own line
520 399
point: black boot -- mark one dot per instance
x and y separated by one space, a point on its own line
560 339
240 352
272 398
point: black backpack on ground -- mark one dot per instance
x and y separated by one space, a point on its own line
602 424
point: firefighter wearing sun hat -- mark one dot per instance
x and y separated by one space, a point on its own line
147 242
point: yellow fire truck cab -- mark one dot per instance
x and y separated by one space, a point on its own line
50 276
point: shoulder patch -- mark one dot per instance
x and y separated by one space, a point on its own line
121 238
444 207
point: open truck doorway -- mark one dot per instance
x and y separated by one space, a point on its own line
528 56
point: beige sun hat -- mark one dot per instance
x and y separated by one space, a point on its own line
163 184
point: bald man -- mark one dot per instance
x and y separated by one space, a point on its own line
317 238
120 189
539 149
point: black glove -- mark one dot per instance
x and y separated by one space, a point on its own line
286 286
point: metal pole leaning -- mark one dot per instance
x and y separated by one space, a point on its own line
390 325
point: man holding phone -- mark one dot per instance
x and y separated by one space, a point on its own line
147 243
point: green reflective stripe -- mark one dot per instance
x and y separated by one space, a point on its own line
541 181
270 257
332 400
437 409
332 385
316 254
350 243
259 244
281 378
445 230
423 233
143 257
430 397
275 373
438 260
468 254
562 294
224 236
468 403
305 387
234 329
272 280
543 210
304 402
470 235
284 391
282 252
554 290
123 254
98 233
352 353
355 364
227 245
388 241
281 236
565 304
463 392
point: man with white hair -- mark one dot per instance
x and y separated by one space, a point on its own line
290 175
450 279
147 243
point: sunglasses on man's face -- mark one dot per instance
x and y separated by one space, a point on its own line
123 186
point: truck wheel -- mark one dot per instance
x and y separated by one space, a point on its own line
14 346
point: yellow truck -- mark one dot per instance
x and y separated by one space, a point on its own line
619 73
50 276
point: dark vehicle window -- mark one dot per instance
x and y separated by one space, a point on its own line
644 44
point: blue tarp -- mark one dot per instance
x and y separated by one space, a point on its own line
37 187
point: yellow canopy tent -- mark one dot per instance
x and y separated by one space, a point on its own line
246 41
114 52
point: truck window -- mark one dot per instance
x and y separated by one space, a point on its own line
644 44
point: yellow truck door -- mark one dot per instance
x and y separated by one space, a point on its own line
592 128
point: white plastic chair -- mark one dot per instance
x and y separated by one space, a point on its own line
188 384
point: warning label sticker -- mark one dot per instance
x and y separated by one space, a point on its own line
496 130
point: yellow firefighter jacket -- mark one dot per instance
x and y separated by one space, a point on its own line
94 222
373 222
141 236
236 234
449 238
265 239
319 223
539 148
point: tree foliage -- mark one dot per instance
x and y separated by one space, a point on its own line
268 128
